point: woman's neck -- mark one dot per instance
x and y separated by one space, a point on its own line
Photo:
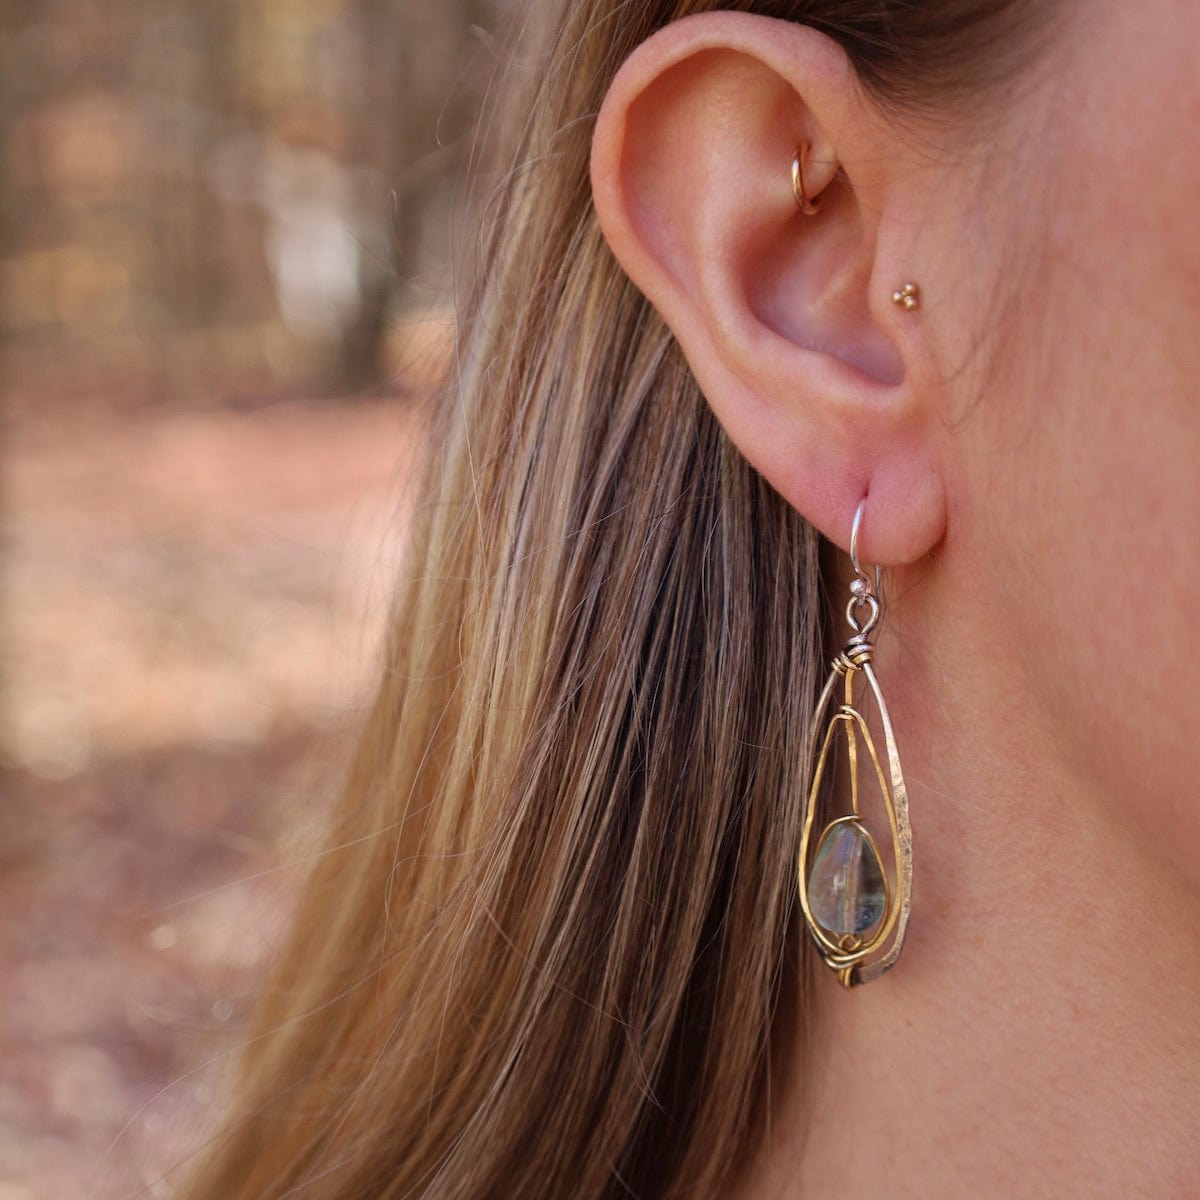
1039 1034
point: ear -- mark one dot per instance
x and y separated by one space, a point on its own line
786 319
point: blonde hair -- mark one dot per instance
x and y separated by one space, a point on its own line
546 953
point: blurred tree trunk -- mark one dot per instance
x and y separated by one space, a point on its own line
9 11
417 61
217 23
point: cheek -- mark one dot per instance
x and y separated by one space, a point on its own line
1089 448
1092 487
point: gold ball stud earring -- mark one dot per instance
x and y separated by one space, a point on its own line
909 296
803 203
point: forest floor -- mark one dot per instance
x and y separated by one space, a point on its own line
192 603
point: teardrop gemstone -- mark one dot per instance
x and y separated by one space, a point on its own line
845 887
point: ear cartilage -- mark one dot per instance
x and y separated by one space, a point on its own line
909 296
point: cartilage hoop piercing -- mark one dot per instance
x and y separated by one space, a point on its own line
852 904
808 207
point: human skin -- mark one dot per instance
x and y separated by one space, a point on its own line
1029 443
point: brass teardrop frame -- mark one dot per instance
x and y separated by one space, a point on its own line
849 962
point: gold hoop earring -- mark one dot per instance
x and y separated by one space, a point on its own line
850 904
808 207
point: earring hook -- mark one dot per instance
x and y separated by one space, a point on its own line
858 568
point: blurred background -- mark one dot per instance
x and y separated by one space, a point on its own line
226 235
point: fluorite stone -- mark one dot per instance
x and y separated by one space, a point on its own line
846 891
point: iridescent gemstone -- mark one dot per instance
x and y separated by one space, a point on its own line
846 890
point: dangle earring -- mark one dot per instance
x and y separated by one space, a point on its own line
851 905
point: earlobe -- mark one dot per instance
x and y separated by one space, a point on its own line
782 314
